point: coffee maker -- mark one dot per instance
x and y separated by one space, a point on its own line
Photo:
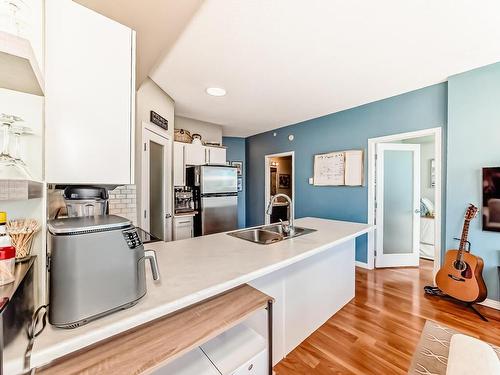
183 200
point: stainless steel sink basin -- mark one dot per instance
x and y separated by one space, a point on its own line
268 234
277 228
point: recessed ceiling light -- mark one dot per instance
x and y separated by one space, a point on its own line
216 91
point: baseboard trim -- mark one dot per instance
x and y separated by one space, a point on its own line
363 265
491 303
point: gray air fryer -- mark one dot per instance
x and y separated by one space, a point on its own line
96 267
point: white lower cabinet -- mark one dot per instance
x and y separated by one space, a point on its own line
238 351
183 227
193 363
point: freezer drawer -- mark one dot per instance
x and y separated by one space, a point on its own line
219 214
214 180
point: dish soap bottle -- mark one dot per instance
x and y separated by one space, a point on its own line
4 237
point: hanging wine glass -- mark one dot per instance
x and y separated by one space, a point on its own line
9 168
18 131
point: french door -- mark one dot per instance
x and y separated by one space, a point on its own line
397 205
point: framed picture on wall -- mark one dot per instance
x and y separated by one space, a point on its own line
239 167
284 181
240 184
491 199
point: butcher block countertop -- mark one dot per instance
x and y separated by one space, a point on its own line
192 271
154 344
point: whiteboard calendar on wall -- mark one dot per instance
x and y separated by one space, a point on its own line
342 168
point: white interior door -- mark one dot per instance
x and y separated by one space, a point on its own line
397 205
156 185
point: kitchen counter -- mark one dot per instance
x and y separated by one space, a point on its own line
192 270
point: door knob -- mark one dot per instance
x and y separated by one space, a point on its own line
417 211
168 216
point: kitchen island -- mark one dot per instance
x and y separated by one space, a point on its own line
311 277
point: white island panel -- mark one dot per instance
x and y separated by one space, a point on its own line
306 295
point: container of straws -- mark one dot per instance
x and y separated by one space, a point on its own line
21 233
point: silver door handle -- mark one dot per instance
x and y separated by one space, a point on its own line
151 256
417 211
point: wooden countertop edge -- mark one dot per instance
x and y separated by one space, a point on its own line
146 348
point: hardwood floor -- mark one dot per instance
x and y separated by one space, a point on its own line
377 332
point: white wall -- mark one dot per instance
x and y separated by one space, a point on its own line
150 97
208 131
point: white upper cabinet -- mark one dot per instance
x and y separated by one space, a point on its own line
179 164
192 154
195 154
90 96
216 155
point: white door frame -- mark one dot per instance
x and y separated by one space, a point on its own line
372 142
267 165
168 179
398 260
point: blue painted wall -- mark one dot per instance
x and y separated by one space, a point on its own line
473 143
236 152
350 129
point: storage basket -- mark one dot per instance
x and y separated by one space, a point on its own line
181 135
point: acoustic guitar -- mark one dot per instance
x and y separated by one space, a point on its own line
461 274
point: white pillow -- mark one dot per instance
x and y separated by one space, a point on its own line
470 356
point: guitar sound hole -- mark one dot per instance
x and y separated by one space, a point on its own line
461 266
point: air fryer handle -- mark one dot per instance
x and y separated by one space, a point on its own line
151 255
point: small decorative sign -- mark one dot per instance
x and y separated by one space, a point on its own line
156 119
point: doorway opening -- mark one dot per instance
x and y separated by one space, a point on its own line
279 179
405 199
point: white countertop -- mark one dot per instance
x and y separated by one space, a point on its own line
191 270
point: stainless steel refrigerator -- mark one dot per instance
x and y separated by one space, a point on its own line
215 191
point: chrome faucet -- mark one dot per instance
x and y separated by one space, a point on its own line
287 228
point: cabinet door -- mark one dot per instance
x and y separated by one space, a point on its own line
195 154
237 351
90 88
183 228
216 155
179 164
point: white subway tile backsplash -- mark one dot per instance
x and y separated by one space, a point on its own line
122 201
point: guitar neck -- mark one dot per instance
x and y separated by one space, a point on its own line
463 239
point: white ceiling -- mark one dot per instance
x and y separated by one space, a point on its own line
286 61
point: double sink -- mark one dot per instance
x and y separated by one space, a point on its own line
269 234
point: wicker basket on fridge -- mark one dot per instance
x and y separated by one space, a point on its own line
181 135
